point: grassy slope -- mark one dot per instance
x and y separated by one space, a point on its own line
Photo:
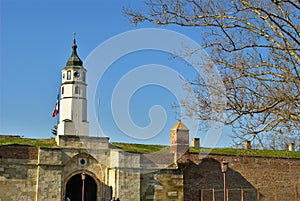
242 152
138 148
142 148
50 142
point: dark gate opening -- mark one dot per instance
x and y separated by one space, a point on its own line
75 188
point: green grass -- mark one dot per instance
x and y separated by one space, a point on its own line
144 148
242 152
138 148
50 142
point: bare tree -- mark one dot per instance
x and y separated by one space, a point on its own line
54 130
256 48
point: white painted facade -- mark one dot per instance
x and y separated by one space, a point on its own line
73 102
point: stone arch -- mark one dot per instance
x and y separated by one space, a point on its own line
73 167
90 163
74 180
81 184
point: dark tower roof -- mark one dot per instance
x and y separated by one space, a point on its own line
74 60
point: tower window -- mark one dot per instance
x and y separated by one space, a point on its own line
68 75
77 90
83 76
62 90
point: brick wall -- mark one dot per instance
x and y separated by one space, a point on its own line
271 177
18 152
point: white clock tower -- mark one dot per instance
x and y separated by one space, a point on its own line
73 102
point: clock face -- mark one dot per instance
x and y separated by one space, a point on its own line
76 74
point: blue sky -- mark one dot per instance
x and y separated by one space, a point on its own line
36 39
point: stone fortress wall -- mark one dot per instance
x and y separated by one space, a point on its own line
42 174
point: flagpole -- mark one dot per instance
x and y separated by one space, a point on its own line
98 133
57 116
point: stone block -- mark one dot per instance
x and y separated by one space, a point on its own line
172 194
150 197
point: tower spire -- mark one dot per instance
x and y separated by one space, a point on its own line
74 60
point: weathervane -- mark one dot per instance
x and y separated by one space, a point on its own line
178 116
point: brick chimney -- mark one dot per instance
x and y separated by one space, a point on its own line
292 147
247 144
196 142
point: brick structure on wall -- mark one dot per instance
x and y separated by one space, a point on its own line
179 140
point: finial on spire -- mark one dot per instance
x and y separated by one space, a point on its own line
74 39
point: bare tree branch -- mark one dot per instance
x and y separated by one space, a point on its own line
256 47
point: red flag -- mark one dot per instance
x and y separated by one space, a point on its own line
56 109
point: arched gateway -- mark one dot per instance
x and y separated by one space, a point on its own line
81 185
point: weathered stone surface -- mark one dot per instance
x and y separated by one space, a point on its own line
42 174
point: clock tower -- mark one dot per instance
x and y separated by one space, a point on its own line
73 102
